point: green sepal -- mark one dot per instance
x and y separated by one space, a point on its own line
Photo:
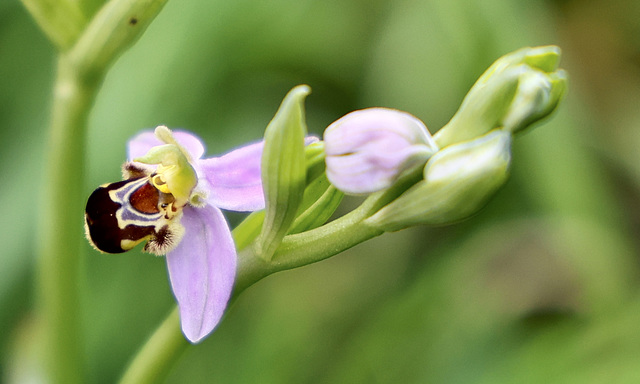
284 170
321 199
544 58
248 230
558 82
458 181
482 109
314 157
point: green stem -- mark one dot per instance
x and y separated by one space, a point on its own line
305 248
154 361
82 66
61 226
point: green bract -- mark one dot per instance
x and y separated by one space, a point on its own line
321 199
283 170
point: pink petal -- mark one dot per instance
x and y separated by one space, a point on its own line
362 173
202 270
385 126
140 144
234 179
144 141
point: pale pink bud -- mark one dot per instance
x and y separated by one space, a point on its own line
367 150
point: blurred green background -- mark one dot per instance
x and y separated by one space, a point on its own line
539 287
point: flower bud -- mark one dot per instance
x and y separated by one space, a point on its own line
519 89
367 150
458 181
537 96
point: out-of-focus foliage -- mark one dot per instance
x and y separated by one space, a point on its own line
541 286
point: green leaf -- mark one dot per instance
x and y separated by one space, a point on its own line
248 230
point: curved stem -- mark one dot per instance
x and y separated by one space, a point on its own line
82 66
61 226
306 248
154 361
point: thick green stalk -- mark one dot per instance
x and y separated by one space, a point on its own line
154 361
83 63
61 226
305 248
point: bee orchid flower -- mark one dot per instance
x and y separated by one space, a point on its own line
172 198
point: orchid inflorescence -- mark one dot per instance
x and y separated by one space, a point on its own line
171 197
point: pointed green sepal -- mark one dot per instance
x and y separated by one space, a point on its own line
482 109
314 158
458 181
283 170
248 230
321 199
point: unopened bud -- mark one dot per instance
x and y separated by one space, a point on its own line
367 150
519 89
458 181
